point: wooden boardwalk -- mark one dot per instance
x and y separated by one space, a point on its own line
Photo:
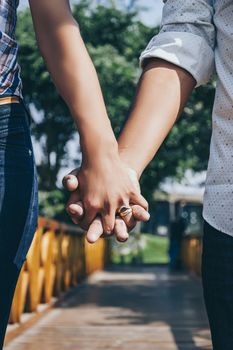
125 309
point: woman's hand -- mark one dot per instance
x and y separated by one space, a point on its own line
105 189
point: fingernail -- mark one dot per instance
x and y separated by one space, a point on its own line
71 181
72 211
147 216
122 240
91 238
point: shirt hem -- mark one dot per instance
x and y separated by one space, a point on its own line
214 225
174 47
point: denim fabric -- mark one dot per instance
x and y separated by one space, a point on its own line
217 277
18 200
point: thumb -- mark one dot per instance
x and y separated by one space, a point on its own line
70 182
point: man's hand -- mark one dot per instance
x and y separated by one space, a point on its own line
95 230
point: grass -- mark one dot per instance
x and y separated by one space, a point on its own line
153 250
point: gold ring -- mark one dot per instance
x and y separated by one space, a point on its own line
124 211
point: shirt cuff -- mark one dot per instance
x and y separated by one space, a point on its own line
186 50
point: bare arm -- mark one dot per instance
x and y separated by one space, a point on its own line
72 71
104 180
162 93
180 57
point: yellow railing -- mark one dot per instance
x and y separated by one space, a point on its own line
191 253
58 259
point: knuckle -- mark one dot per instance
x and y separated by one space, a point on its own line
87 202
124 201
95 207
127 193
133 192
137 211
110 204
92 204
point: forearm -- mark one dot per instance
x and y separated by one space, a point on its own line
73 73
162 93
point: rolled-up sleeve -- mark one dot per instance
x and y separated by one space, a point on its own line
186 38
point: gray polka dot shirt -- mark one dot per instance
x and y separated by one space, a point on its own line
197 35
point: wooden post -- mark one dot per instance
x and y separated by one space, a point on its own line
19 296
35 271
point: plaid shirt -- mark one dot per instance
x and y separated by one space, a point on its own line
10 81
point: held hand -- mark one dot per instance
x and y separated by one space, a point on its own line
120 228
105 186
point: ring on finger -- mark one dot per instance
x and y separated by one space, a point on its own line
124 211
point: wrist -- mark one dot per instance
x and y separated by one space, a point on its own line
99 150
97 140
129 160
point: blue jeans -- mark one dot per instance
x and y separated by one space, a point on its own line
18 201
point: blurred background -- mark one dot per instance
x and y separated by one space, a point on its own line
115 33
